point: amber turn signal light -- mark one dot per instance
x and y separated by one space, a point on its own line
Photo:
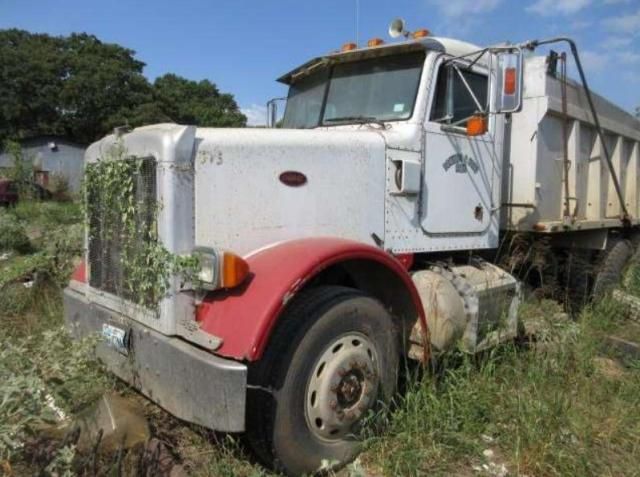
477 125
348 47
234 270
510 81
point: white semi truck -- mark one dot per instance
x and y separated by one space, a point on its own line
390 216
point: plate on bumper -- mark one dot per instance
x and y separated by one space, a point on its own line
116 337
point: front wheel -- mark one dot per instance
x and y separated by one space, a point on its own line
334 357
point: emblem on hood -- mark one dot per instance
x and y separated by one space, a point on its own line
293 178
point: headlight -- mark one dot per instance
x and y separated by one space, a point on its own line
208 267
220 269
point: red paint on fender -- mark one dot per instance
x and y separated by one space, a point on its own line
80 273
244 317
406 259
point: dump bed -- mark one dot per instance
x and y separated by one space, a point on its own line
534 191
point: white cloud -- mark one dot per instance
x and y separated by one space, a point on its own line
461 8
580 25
553 7
593 61
624 23
631 77
256 114
629 58
617 41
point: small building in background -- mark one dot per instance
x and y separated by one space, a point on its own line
51 157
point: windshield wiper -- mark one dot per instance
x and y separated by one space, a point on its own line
356 120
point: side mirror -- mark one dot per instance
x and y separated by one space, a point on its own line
506 72
272 112
477 125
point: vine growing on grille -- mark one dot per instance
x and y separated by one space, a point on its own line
122 228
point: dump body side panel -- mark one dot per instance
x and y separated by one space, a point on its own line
535 188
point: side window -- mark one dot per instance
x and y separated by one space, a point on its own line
453 103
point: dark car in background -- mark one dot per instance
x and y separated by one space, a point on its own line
10 191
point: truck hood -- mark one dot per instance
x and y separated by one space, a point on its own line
257 187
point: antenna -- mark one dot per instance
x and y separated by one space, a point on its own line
357 22
398 28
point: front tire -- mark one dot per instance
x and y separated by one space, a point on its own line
334 356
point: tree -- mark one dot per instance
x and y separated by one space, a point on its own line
192 102
30 83
21 170
81 87
101 83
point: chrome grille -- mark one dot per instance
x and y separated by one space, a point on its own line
107 233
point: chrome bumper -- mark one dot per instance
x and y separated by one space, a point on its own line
190 383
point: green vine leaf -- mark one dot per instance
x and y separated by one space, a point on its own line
121 219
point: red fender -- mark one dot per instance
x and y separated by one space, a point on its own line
245 317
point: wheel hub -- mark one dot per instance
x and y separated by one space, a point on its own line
342 387
350 388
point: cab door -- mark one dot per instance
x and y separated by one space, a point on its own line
459 171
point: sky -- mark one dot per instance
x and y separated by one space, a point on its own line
244 45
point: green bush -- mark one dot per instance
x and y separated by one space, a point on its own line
632 279
23 268
48 214
12 234
21 170
40 375
53 264
59 187
15 299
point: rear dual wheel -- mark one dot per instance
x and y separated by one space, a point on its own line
611 269
591 276
333 359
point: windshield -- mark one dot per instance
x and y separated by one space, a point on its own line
372 90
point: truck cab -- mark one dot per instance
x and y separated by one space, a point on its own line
441 184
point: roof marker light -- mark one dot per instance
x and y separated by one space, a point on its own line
348 47
422 33
375 42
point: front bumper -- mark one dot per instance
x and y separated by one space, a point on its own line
190 383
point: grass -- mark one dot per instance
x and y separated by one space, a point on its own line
562 405
13 237
48 213
37 359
